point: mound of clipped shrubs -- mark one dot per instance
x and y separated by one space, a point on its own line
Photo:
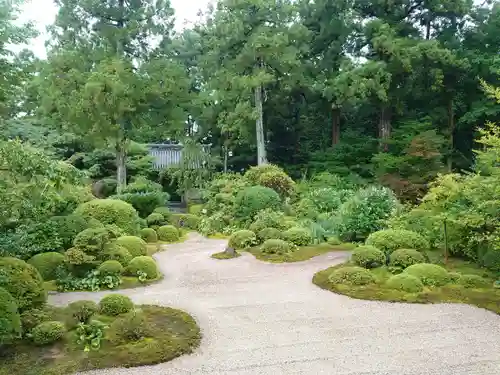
168 233
389 240
118 253
298 236
429 274
276 246
368 257
405 282
351 275
143 264
47 264
110 268
253 199
268 234
135 245
149 235
115 304
242 239
472 281
48 332
404 258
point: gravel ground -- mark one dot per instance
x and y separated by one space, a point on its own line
269 319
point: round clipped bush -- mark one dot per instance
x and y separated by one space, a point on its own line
168 233
48 332
472 281
276 246
92 240
115 304
110 268
333 241
268 234
143 264
149 235
114 231
135 245
242 239
405 283
155 219
23 282
404 258
10 321
351 276
253 174
187 221
82 311
31 318
118 253
163 211
429 274
267 219
491 260
298 236
47 263
252 199
368 257
279 181
111 211
389 240
454 277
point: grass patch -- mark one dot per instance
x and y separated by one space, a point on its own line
225 255
301 254
170 333
488 298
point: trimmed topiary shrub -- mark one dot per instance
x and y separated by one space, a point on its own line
333 241
119 253
110 268
472 281
48 332
144 195
149 235
368 257
115 304
267 219
111 211
135 245
279 181
31 318
298 236
253 199
143 264
114 231
92 240
155 219
404 258
47 264
82 311
67 227
187 221
10 321
389 240
253 174
242 239
23 282
79 263
351 276
491 260
164 211
168 233
429 274
454 277
276 246
405 283
268 234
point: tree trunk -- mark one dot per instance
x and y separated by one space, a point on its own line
121 169
335 125
451 129
384 128
225 150
259 127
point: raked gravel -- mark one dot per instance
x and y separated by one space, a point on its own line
269 319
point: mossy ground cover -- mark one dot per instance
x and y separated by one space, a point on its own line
225 255
302 253
171 333
488 297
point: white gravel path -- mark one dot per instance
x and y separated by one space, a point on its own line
269 319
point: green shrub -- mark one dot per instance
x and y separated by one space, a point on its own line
253 199
328 199
10 321
368 257
81 311
365 212
298 236
276 246
143 264
472 281
187 221
135 245
48 332
280 182
67 227
155 219
92 240
115 304
267 219
164 211
404 258
130 327
454 277
111 211
31 318
351 276
144 195
268 234
306 209
110 268
333 241
195 209
23 282
168 233
242 239
253 174
405 283
429 274
389 240
114 231
47 264
79 263
119 253
105 187
149 235
491 260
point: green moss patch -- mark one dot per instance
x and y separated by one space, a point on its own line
169 333
225 255
300 254
380 290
